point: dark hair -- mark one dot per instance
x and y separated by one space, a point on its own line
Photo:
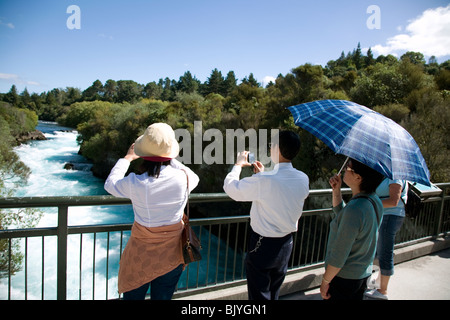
152 168
289 144
370 178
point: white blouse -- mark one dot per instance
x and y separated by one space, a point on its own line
156 201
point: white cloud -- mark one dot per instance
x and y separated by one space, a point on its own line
428 34
104 36
15 79
8 76
266 80
8 24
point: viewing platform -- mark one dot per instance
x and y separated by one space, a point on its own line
422 272
423 278
80 262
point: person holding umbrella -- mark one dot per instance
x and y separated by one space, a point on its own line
377 142
353 234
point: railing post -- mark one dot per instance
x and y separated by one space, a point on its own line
62 253
441 213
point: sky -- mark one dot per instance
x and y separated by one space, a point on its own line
46 44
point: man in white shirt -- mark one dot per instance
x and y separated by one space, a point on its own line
277 203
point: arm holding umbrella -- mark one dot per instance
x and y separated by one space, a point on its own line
336 183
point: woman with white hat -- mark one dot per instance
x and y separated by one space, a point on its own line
153 254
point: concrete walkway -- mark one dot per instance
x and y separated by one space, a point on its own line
423 278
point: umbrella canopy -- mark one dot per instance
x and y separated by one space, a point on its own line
364 135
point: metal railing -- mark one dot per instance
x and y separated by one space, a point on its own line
84 260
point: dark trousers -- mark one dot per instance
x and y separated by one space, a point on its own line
347 289
266 265
162 288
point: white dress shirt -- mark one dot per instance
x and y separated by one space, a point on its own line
277 198
156 201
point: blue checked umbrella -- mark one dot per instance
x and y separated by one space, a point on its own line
364 135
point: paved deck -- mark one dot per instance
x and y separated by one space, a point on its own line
423 278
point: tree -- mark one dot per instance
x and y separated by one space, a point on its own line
310 79
187 83
414 57
94 92
13 121
229 84
443 79
251 81
396 112
25 98
128 90
384 85
215 83
12 97
357 57
369 59
153 90
72 95
168 93
110 90
429 127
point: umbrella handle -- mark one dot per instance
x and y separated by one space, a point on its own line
343 166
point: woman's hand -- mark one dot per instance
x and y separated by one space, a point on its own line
130 156
335 182
324 287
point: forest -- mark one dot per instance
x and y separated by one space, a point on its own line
110 116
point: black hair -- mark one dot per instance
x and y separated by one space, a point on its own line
371 178
289 144
152 168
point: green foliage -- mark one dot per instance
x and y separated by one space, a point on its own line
429 127
80 112
13 123
396 112
110 116
107 130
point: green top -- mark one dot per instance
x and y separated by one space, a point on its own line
352 240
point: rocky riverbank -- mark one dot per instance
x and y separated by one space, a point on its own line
33 135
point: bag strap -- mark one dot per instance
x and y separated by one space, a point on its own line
374 206
401 195
404 183
187 194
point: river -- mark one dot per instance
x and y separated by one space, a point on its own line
46 159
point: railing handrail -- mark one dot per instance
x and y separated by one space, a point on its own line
71 201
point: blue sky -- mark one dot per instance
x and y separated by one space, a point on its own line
145 40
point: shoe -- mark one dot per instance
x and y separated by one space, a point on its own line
375 295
